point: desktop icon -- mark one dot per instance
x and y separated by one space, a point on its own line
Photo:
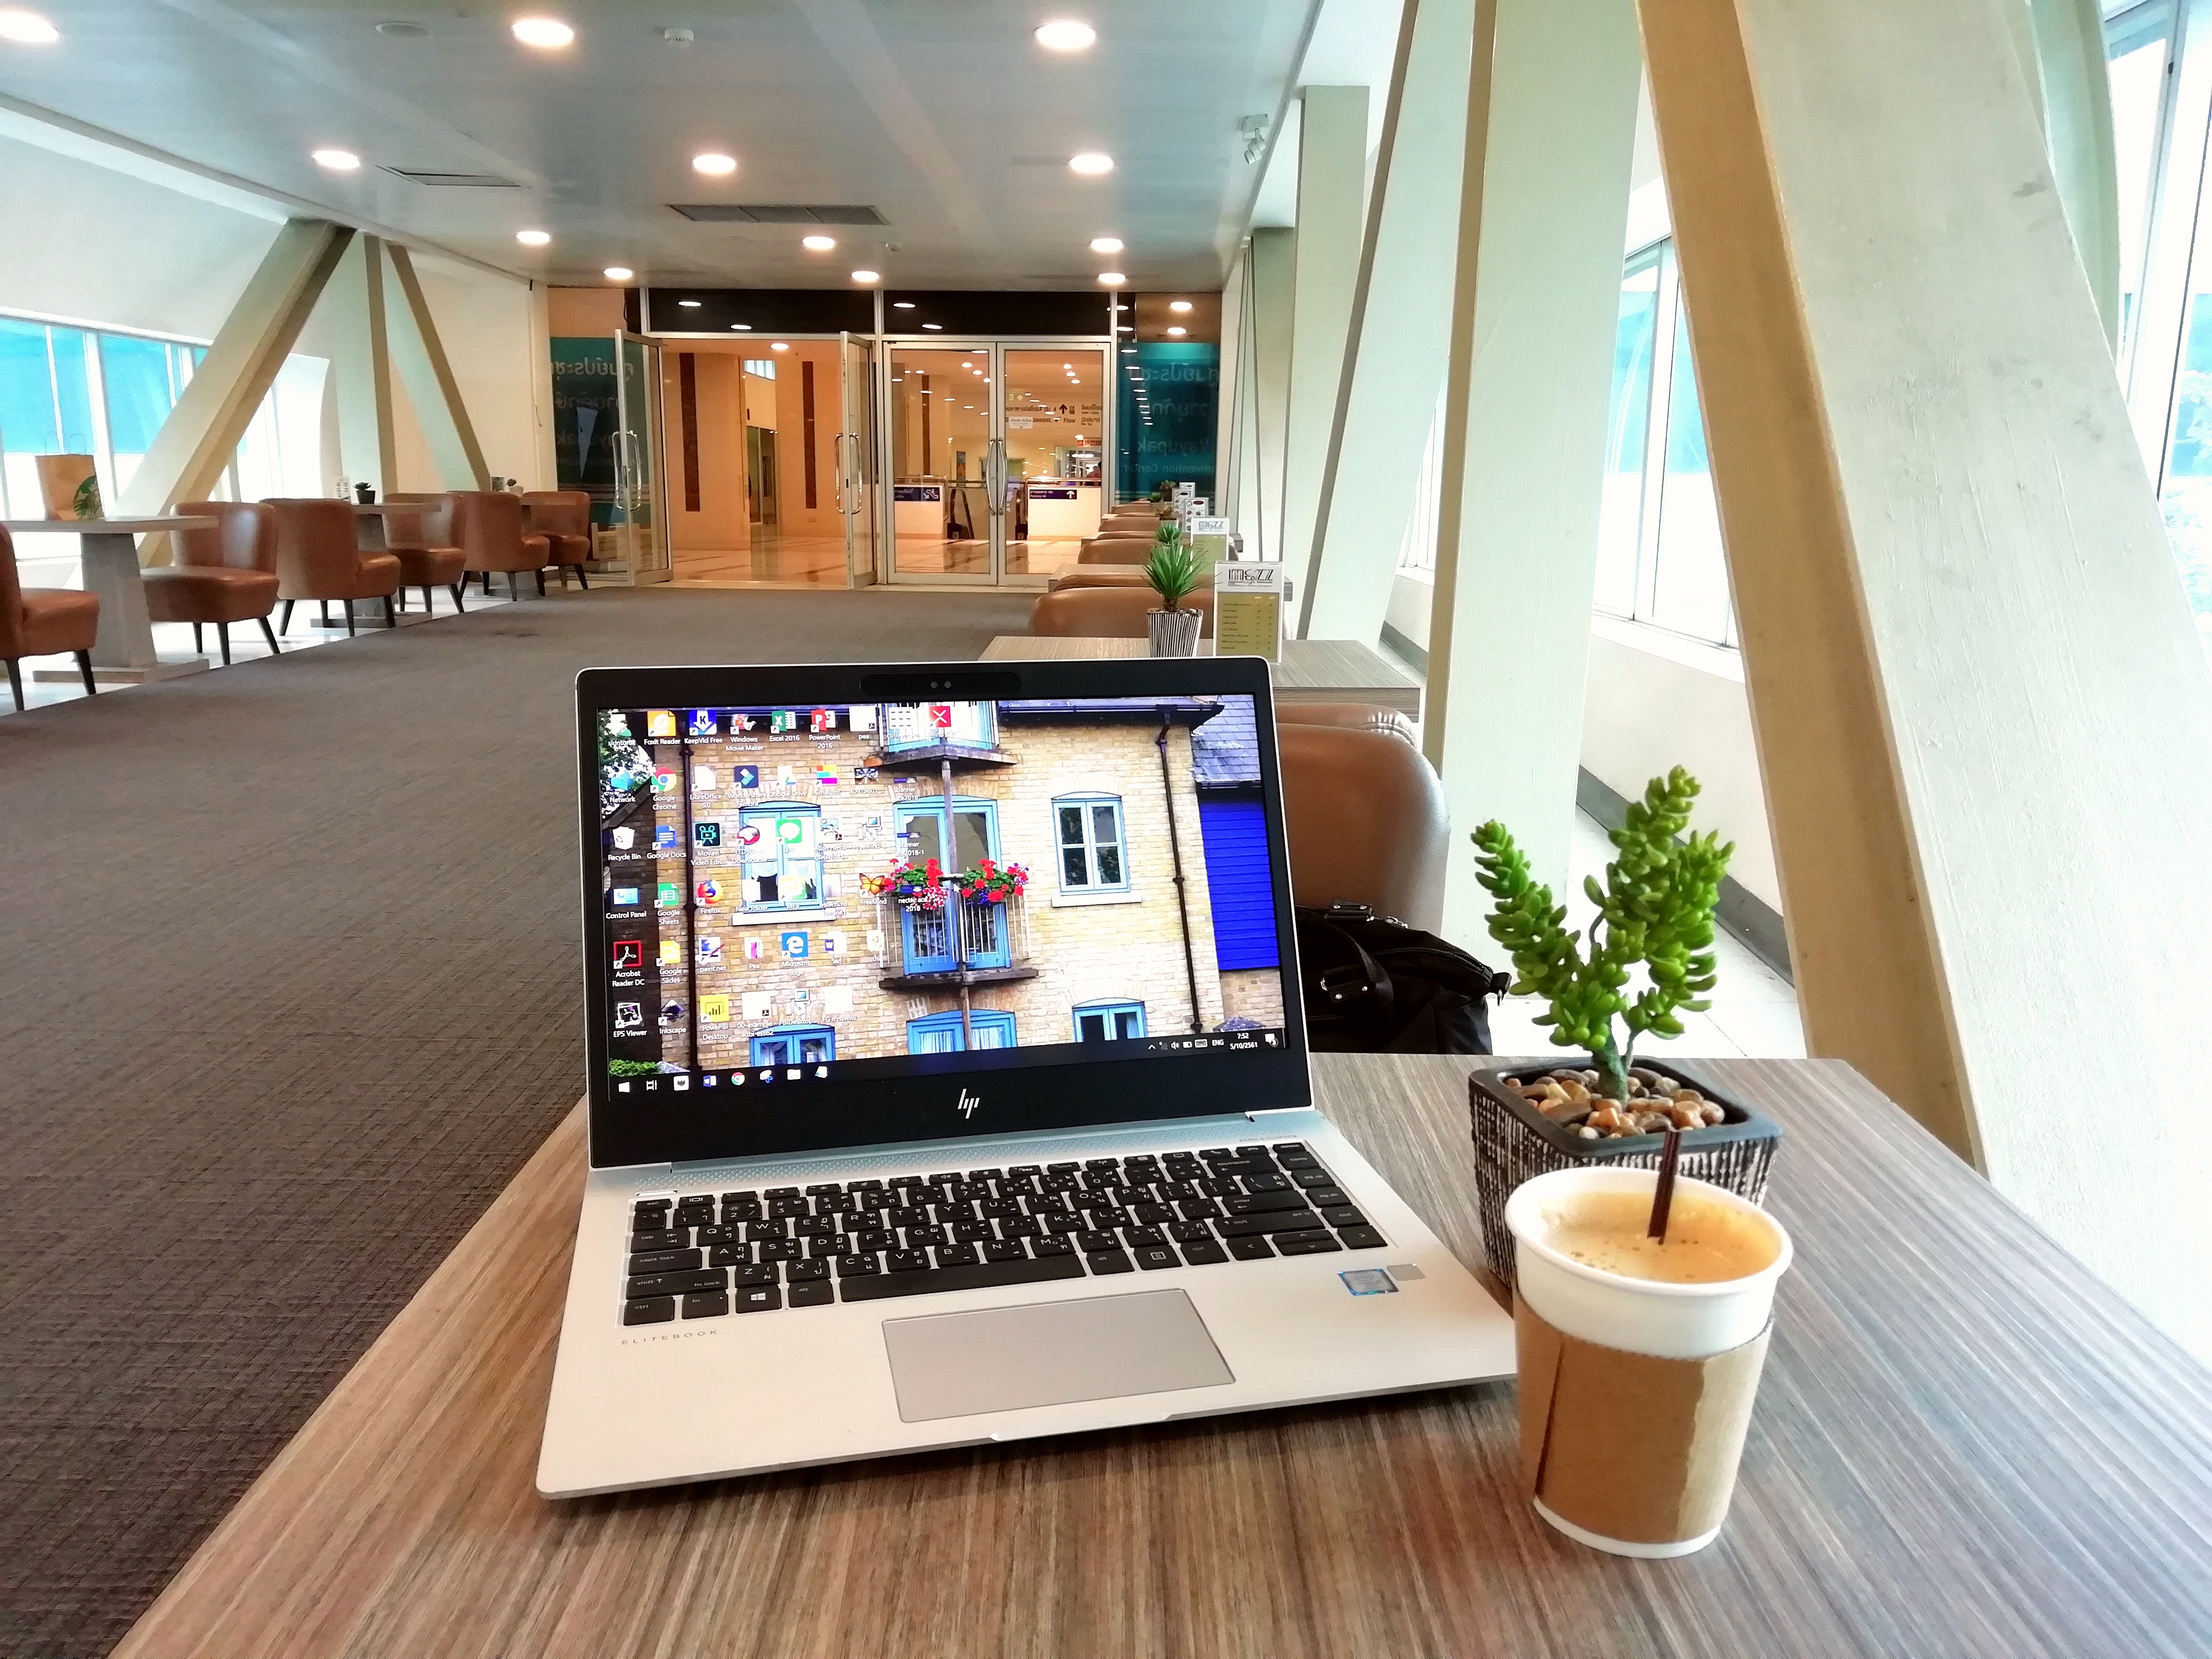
742 723
940 716
1270 1039
737 1080
794 945
822 720
748 834
623 895
833 945
753 948
679 1081
768 1074
784 777
672 1013
709 1081
628 953
653 1083
620 781
664 780
715 1011
702 723
624 838
708 891
622 1088
708 834
790 831
795 1074
660 722
822 1071
748 777
665 838
825 775
629 1016
710 952
783 719
671 953
670 896
703 779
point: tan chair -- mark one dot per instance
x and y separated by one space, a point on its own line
225 572
1116 550
563 516
1107 613
1099 575
422 542
1129 523
1363 813
320 556
43 621
488 525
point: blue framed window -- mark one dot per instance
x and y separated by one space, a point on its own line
941 1034
925 725
794 1045
781 846
1093 858
1108 1021
984 937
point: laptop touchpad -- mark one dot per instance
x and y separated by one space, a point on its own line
1051 1354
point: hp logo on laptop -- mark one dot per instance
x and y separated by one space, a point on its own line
969 1104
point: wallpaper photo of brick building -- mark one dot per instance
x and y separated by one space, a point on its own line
801 887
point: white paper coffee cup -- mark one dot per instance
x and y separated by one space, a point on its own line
1667 1320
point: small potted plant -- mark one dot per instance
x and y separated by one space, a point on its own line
992 882
914 886
1654 911
1173 573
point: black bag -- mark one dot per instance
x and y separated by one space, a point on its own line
1374 985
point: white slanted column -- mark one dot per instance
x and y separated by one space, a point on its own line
202 434
1550 134
1272 259
1325 267
1400 326
432 391
1232 452
360 368
1983 716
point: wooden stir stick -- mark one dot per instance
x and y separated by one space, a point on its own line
1662 1195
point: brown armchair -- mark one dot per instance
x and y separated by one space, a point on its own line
224 572
42 621
320 556
488 524
563 516
1108 613
1363 813
422 542
1116 550
1099 575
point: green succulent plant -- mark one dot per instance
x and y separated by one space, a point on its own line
1172 570
1656 908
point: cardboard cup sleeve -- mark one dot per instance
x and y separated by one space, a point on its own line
1626 1445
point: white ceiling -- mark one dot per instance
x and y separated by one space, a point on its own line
943 114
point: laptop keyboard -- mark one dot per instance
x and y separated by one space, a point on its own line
705 1256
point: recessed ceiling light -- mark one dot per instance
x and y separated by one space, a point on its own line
714 162
1178 330
867 277
533 238
742 328
689 305
1178 304
939 326
778 345
400 29
1105 244
902 305
1066 34
1129 351
1112 279
336 160
543 31
818 244
618 273
27 28
1090 163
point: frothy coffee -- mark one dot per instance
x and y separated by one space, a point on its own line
1706 1241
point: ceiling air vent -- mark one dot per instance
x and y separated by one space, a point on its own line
717 213
471 181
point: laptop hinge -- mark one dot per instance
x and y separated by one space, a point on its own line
1278 1111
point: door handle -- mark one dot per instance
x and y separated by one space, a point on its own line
994 474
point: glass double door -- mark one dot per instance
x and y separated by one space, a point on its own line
995 470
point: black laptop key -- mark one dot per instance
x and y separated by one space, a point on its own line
1189 1232
985 1277
649 1310
789 1206
1267 1221
1249 1250
1153 1256
1052 1247
667 1261
1325 1198
837 1204
875 1239
1150 1237
971 1233
829 1247
915 1216
825 1190
986 1175
959 1256
921 1238
733 1213
1000 1208
718 1235
1203 1209
705 1305
1296 1161
1343 1215
778 1249
1005 1249
810 1294
762 1272
1018 1171
1020 1227
855 1267
759 1300
1266 1182
661 1238
905 1261
1282 1147
740 1198
1152 1215
1107 1164
1097 1241
1313 1178
781 1192
799 1272
1305 1244
711 1278
724 1255
870 1185
756 1231
1253 1151
941 1177
1108 1261
1204 1252
1259 1203
1175 1191
1361 1238
1209 1153
814 1226
1060 1169
1215 1187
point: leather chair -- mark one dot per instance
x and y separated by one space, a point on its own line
1109 613
1099 575
320 556
43 621
1147 524
422 542
563 516
1116 550
224 574
1363 813
488 525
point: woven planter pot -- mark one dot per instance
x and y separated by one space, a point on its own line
1173 633
1514 1142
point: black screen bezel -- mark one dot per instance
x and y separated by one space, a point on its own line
697 1126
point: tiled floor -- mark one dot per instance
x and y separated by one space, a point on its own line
1754 1011
792 559
173 642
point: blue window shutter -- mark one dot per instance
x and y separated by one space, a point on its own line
1236 834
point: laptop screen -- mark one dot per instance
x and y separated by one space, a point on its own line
797 896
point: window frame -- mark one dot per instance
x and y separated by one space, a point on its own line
747 905
1105 1009
979 1018
793 1034
1089 800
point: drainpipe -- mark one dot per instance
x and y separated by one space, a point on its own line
691 912
1175 846
955 917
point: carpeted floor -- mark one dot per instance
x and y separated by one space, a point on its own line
289 991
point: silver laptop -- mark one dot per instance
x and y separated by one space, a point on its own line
948 1082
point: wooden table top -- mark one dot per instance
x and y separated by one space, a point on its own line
1964 1445
107 526
1311 670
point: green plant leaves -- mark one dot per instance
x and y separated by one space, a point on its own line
1172 570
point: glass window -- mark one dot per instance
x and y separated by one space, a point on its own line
2138 48
942 1034
1627 438
781 848
1091 845
1108 1021
794 1045
1689 580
